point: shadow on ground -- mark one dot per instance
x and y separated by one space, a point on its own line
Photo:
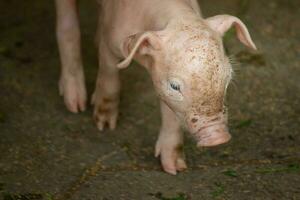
49 153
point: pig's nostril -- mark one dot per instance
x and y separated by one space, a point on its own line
194 120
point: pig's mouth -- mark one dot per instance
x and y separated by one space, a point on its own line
212 136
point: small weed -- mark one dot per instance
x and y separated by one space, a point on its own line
289 168
231 173
219 190
244 123
48 196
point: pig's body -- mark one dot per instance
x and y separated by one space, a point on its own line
182 52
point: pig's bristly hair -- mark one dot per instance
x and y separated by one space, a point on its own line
235 66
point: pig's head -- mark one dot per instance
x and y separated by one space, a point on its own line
190 71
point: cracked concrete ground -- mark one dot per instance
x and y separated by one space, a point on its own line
49 153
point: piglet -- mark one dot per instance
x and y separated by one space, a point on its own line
183 53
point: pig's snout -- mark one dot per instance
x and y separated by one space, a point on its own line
213 135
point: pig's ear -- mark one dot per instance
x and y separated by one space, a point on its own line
141 43
222 23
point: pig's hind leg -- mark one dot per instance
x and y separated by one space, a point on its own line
169 145
71 84
106 95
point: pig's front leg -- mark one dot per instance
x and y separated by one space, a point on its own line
71 84
169 145
106 94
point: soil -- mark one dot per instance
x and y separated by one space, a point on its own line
49 153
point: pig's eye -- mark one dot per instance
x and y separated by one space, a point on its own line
175 86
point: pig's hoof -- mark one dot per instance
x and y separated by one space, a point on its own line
172 159
105 112
105 116
73 90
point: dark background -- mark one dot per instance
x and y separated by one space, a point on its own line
47 152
